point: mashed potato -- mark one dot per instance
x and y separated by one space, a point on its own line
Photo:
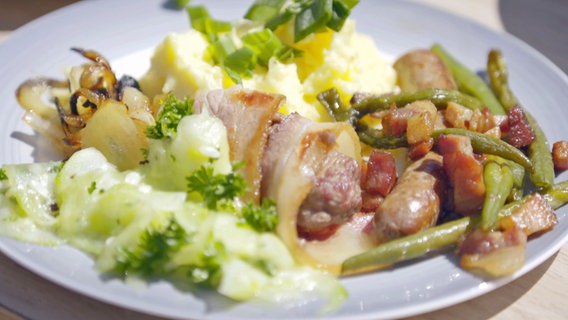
347 60
179 65
350 63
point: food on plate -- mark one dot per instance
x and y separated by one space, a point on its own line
265 158
414 202
312 171
116 109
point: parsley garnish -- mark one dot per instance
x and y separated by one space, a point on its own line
215 188
171 113
92 187
263 218
153 250
206 271
3 175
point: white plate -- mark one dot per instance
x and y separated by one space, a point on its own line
125 32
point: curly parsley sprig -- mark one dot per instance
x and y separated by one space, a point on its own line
215 188
262 218
171 112
155 247
219 190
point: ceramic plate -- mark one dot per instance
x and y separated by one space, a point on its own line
126 31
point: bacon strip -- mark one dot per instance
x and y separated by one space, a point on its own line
247 115
465 173
312 172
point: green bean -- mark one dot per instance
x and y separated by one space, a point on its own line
376 139
469 82
541 157
438 97
483 143
331 100
498 78
409 247
539 150
498 180
518 172
557 195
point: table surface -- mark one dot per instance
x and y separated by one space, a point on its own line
538 294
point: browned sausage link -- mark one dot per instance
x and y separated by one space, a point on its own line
415 201
423 69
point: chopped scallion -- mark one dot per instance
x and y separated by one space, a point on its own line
202 22
240 64
221 48
312 18
264 43
340 11
264 10
279 19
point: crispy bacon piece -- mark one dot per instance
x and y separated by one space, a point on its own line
380 174
481 242
420 149
534 216
465 173
497 253
395 121
518 130
502 252
560 155
458 116
416 119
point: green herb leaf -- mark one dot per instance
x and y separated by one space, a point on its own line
171 112
154 249
221 48
265 44
92 187
204 23
206 271
341 9
3 175
263 218
240 64
264 10
312 18
215 188
280 19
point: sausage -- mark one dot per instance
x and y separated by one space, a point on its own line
423 69
415 201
